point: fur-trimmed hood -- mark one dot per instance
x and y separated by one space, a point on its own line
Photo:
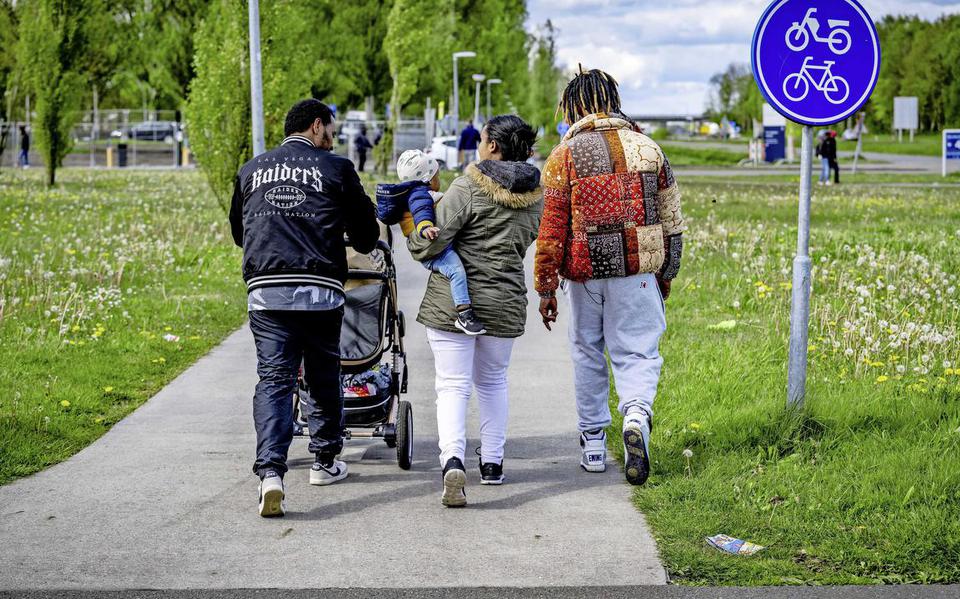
512 184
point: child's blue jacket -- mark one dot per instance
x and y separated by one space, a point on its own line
394 200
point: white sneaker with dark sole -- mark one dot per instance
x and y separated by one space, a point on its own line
327 474
454 480
272 497
593 457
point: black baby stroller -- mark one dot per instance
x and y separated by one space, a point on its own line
372 326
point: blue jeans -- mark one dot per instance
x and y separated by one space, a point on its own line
824 170
449 265
625 316
284 339
23 159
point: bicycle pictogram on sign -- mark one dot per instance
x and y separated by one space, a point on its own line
834 87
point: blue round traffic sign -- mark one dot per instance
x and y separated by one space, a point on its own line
816 61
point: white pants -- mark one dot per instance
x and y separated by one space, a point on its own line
462 364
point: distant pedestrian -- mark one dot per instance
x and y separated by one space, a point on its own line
611 239
291 208
467 146
23 160
827 151
362 143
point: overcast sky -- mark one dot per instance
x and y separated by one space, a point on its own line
663 52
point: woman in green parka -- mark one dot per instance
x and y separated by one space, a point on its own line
491 215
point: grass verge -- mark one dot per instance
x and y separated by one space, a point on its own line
863 486
111 284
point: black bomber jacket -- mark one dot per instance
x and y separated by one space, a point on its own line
291 208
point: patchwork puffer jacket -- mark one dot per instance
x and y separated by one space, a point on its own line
611 207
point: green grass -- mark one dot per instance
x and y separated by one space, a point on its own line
863 486
925 144
861 179
93 274
682 154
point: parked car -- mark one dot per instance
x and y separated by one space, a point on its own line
350 126
444 151
165 131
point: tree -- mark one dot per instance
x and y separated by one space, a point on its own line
218 108
545 84
8 46
417 37
53 45
735 96
494 29
417 34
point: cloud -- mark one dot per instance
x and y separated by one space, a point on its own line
664 52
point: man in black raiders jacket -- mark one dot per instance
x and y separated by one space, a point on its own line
291 208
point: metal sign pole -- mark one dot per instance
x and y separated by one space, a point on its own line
256 79
800 311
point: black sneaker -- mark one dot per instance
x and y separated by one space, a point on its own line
454 479
491 474
468 322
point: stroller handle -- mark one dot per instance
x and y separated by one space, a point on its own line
382 245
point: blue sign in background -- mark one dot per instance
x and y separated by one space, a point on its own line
953 145
775 143
816 61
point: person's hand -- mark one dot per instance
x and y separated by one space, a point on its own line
664 285
431 233
548 310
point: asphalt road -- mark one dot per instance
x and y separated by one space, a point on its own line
166 499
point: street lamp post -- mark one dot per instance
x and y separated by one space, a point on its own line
489 83
256 79
456 87
478 77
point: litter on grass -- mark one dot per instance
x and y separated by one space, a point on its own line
724 325
733 546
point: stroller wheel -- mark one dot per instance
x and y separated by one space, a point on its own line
405 435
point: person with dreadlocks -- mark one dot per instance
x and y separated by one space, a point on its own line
611 239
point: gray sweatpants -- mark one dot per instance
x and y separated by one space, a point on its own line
626 317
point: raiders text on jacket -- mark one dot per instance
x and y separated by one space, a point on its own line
291 208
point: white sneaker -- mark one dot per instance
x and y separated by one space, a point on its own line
328 474
271 496
594 451
636 447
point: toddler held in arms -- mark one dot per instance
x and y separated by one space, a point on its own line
411 204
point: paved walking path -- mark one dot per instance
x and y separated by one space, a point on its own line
166 500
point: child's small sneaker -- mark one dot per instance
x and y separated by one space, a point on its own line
594 451
271 495
468 322
326 471
454 480
636 447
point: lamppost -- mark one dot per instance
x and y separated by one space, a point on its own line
256 78
456 87
478 77
489 83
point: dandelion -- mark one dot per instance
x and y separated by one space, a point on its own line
64 403
883 378
688 454
107 389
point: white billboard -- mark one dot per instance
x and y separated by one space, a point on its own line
906 113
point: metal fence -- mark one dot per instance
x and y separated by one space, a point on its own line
115 138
